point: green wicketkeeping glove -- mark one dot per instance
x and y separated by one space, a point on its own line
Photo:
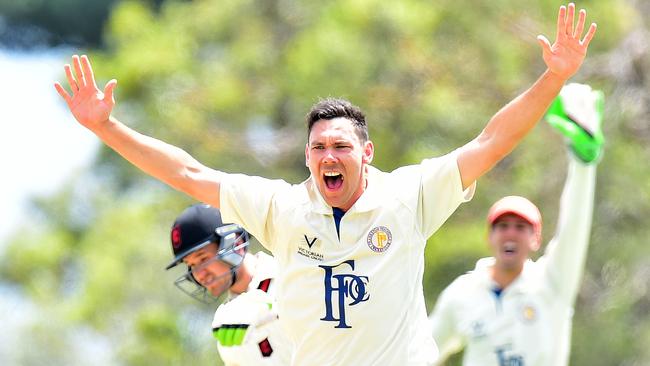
577 114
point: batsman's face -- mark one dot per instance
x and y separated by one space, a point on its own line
512 240
208 270
337 160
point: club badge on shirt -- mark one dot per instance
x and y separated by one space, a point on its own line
528 313
379 239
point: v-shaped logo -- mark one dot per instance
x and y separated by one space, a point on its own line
310 243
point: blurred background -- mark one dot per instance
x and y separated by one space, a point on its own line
84 237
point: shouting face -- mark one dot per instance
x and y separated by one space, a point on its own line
337 160
512 239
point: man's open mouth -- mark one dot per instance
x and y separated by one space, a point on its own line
510 248
333 180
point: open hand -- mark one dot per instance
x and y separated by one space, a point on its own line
565 56
89 105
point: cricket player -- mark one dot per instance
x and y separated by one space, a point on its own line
246 326
350 239
511 311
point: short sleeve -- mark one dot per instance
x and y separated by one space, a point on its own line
441 192
249 201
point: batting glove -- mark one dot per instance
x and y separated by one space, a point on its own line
238 320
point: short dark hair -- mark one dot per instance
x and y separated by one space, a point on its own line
331 108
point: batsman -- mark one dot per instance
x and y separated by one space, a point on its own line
220 269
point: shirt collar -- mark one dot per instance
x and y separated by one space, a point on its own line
482 269
318 204
370 198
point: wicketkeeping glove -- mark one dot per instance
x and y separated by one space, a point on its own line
577 114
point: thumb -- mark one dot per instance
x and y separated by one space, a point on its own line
108 91
546 45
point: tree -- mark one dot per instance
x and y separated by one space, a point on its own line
230 82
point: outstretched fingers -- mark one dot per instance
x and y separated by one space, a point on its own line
590 34
108 92
561 21
73 83
546 45
565 28
64 94
89 77
577 33
570 18
81 81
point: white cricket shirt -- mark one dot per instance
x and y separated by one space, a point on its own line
530 322
264 343
357 299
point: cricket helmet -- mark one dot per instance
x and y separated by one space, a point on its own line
197 227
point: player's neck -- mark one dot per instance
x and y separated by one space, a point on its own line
504 276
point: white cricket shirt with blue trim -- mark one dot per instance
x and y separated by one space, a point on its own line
357 299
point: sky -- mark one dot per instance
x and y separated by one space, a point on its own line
41 145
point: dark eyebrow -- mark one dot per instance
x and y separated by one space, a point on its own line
202 255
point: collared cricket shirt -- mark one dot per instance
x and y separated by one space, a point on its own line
354 297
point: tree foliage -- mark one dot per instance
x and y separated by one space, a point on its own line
230 82
38 23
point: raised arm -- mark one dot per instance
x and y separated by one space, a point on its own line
167 163
576 114
565 254
506 128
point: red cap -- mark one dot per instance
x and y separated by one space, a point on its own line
519 206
